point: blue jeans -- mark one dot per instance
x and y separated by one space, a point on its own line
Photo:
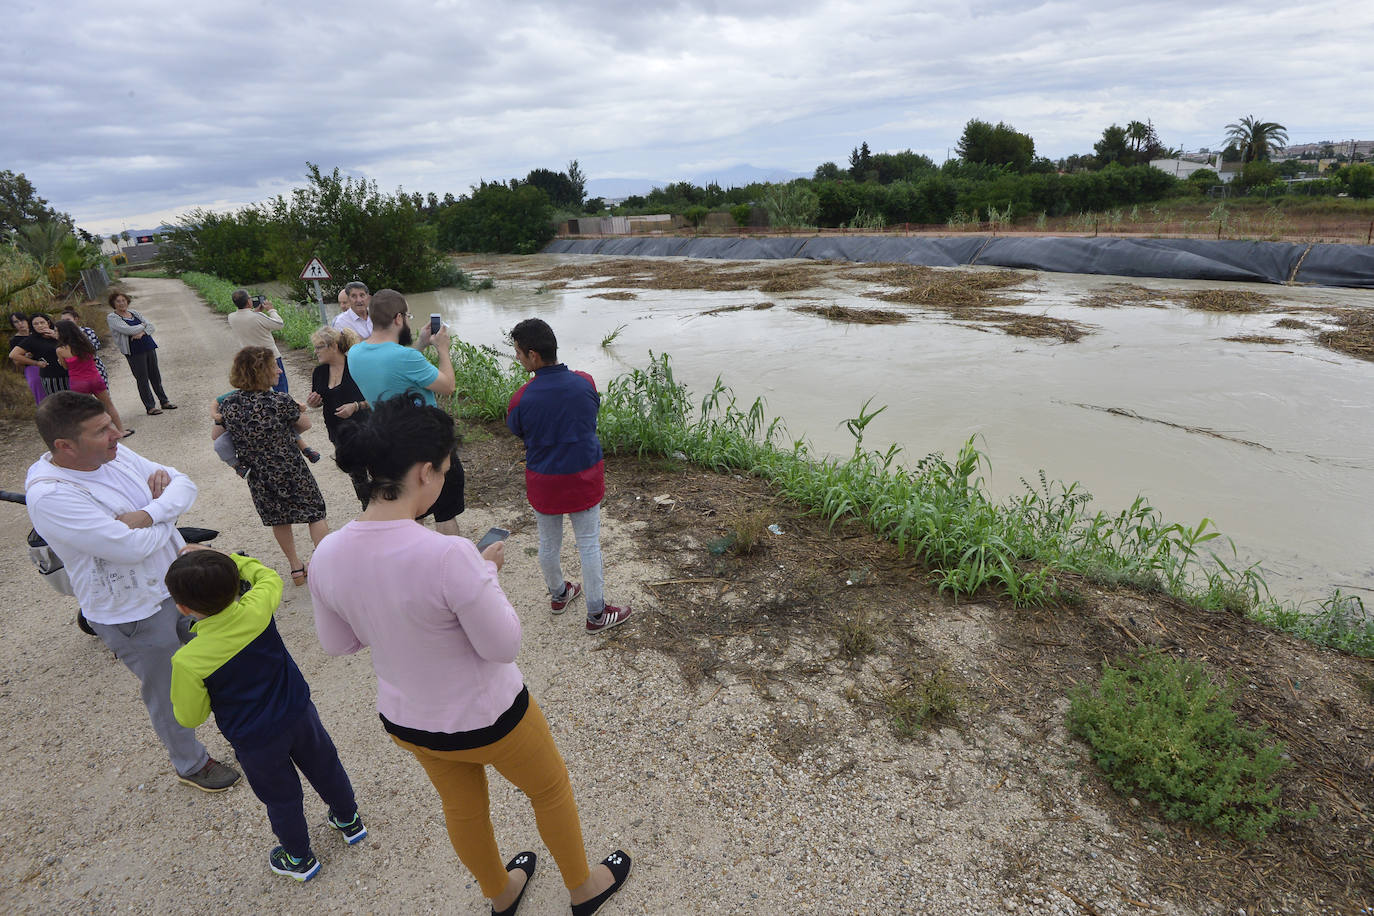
281 377
586 527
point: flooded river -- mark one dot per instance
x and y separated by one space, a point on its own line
1273 442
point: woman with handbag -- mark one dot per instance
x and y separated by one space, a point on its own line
133 335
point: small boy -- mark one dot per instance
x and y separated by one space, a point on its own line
238 667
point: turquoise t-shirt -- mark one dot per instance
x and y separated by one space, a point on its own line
384 370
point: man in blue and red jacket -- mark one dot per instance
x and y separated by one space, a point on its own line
555 414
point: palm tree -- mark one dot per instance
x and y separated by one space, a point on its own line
1256 139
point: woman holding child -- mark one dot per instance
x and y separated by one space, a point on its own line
263 425
443 640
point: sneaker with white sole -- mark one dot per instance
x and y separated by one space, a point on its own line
283 863
571 592
352 831
610 616
213 777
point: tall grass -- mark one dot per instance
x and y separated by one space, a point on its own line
300 320
939 512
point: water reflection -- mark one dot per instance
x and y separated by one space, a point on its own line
1298 496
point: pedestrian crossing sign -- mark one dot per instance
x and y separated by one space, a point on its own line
315 271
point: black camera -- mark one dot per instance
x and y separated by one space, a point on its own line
259 301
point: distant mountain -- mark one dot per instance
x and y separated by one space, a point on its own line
735 176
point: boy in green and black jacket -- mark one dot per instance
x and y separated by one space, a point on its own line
238 667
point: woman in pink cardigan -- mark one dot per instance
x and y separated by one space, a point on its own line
444 638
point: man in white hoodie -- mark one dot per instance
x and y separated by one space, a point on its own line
111 516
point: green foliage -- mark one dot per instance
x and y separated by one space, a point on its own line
1205 177
1162 729
43 241
790 205
358 232
741 213
499 219
1341 621
223 244
1358 180
23 282
922 701
21 206
1258 173
1000 145
696 214
562 193
485 381
1255 139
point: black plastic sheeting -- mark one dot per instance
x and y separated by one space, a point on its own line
1184 259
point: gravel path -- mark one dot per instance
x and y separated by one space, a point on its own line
688 781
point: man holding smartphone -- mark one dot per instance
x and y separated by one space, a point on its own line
555 414
386 366
254 323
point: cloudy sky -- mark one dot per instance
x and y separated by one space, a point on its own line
128 114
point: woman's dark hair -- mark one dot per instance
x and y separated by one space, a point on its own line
399 434
70 335
18 316
115 294
46 317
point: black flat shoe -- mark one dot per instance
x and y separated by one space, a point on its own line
525 861
619 864
169 406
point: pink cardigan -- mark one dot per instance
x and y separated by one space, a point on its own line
443 634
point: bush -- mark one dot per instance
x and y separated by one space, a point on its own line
498 219
1162 729
358 232
740 213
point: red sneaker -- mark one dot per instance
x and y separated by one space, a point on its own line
610 616
571 592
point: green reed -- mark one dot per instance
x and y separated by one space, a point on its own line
939 511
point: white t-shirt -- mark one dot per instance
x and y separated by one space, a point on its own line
116 571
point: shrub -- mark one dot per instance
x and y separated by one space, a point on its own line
1162 729
358 232
740 213
498 219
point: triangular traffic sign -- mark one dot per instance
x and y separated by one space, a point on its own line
315 271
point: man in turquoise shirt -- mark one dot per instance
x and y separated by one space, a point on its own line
386 366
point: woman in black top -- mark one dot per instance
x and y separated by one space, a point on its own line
40 349
331 387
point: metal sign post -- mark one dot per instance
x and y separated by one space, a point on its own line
315 272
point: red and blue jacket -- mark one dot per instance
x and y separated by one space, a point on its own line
555 413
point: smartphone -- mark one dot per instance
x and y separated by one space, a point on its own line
436 321
491 537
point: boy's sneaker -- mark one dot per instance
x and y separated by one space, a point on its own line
352 831
283 863
571 592
312 455
213 777
610 616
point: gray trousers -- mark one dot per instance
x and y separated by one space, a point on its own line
146 647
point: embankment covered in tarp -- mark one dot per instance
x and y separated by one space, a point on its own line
1184 259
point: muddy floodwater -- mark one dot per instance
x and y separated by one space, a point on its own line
1272 441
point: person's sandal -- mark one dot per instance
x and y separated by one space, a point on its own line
169 406
298 576
525 861
619 864
128 433
155 411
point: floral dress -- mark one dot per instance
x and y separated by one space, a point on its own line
284 491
